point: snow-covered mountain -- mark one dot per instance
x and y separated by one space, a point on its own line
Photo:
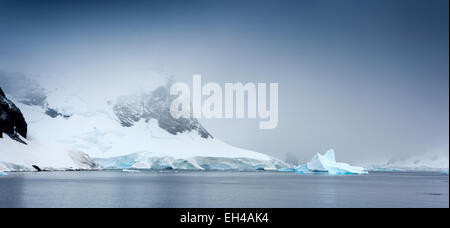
424 162
69 128
12 121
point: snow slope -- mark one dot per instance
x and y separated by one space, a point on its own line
86 133
425 162
43 148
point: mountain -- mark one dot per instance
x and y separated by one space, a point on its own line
155 105
424 162
12 121
70 127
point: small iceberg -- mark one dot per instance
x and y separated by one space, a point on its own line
131 171
445 173
2 173
326 163
296 169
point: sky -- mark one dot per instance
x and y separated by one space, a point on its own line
369 78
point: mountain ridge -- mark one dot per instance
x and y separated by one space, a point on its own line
68 128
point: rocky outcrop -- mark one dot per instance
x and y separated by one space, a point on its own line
155 105
12 121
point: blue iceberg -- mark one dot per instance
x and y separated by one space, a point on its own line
296 169
287 169
327 164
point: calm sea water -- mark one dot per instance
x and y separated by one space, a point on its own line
222 189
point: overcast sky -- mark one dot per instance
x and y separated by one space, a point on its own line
369 78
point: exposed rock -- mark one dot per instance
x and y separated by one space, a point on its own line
12 121
54 113
155 105
37 168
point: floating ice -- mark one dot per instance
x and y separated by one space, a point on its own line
320 163
296 169
3 173
131 170
384 169
326 163
287 169
302 169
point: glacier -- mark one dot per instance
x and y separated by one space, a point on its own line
326 163
144 145
429 162
148 160
70 128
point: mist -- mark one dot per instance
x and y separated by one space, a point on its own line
367 78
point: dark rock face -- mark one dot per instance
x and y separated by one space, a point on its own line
12 121
37 168
155 105
53 113
129 109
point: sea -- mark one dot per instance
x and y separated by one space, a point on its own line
222 189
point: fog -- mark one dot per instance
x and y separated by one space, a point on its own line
367 78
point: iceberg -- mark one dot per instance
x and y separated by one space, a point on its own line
327 164
2 173
287 169
320 163
297 169
302 169
131 171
